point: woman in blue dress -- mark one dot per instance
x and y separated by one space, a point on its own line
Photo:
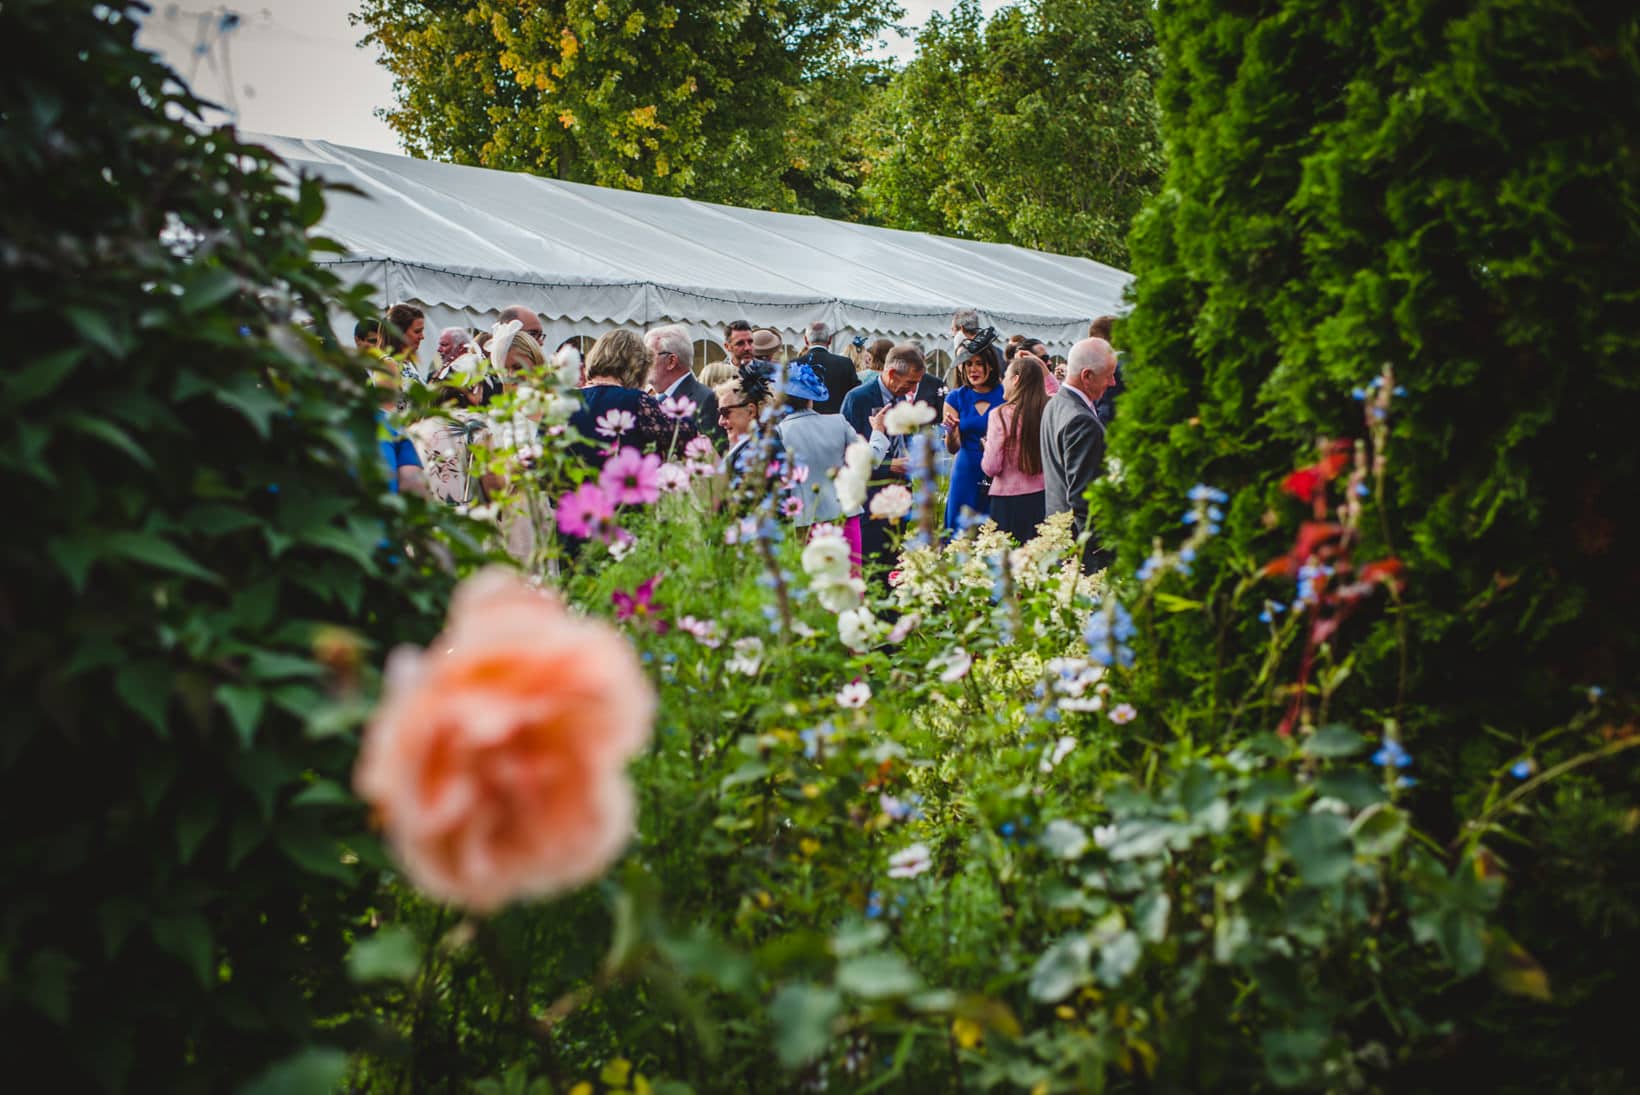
967 409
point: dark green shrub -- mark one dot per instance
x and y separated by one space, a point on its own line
195 492
1451 190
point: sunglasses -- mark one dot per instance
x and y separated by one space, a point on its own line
723 410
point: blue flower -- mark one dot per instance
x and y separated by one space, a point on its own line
1523 769
1391 755
1190 518
1358 394
1272 609
1595 693
1006 828
1201 492
874 905
1406 781
1361 490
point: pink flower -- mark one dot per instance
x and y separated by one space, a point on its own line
587 512
615 423
1122 714
631 477
854 694
700 449
496 760
640 603
678 407
791 507
704 631
891 503
672 478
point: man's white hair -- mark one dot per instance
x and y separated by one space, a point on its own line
966 319
1090 355
463 336
819 333
673 339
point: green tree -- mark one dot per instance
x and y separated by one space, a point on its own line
1037 128
1451 190
707 100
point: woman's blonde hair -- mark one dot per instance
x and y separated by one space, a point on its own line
716 373
621 356
530 348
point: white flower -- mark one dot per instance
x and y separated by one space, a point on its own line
559 407
479 513
826 557
911 862
892 502
839 594
615 423
1104 835
1061 749
858 628
955 665
905 417
678 407
1122 714
748 657
567 363
853 476
672 478
619 547
1094 702
854 694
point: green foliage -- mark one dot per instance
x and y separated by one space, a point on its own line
1434 188
722 101
198 500
1038 128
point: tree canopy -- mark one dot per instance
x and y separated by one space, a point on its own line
708 100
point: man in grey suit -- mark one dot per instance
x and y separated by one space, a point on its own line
1073 439
672 375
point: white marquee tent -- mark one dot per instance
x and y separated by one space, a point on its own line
464 242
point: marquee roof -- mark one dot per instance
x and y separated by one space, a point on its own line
472 240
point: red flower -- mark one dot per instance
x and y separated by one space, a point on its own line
1303 483
1387 571
1306 483
1312 538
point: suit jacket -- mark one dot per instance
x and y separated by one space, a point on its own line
706 407
860 404
836 372
1073 455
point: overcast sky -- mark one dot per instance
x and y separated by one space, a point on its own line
292 67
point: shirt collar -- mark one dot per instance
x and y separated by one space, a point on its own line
1078 393
672 388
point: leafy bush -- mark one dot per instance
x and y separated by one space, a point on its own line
199 505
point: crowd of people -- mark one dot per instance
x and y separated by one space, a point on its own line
1019 433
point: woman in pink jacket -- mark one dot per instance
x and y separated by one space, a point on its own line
1013 449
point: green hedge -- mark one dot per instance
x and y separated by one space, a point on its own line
1452 190
195 492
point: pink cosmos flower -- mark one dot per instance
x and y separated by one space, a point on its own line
615 423
587 512
1122 713
700 449
678 407
640 604
673 478
704 631
791 507
496 760
631 477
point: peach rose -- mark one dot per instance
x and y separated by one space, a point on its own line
496 760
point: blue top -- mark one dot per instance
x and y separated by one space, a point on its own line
397 451
967 477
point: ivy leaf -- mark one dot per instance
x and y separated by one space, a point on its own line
187 937
155 550
312 1071
802 1016
1118 958
244 706
40 377
1063 968
389 955
877 976
94 327
1379 830
146 688
104 430
1334 740
1150 916
1320 847
194 823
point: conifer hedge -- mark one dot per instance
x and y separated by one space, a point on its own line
1452 190
195 498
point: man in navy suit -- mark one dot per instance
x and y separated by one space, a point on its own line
863 408
1073 439
672 373
836 372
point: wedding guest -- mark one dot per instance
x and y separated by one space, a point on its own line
767 345
672 377
453 342
1013 449
967 409
737 343
615 410
816 442
1073 440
